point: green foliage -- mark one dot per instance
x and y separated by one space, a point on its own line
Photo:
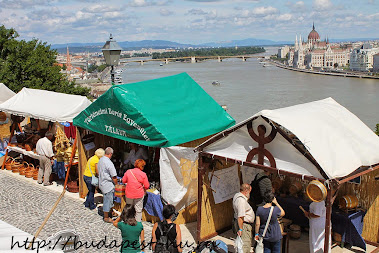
223 51
101 67
92 68
141 55
64 67
32 64
377 129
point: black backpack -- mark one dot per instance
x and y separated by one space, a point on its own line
255 194
163 244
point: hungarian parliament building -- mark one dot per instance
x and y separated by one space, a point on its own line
318 54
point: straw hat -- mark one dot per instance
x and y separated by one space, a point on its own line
3 118
4 126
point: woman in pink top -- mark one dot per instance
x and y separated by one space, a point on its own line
136 186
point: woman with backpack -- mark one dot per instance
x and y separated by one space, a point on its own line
131 230
267 225
166 235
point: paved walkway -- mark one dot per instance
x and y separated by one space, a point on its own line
24 205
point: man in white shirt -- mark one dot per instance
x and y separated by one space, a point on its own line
244 216
44 149
135 153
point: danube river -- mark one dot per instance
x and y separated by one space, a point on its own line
247 87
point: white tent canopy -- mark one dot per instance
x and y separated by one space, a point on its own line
45 105
5 93
338 140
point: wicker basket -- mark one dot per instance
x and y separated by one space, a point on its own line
16 166
73 186
316 191
295 231
8 163
35 173
23 168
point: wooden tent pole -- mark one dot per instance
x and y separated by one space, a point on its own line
71 159
10 138
47 217
330 197
199 195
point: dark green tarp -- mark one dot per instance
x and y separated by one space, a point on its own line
162 112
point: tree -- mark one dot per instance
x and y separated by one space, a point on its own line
32 64
377 129
64 67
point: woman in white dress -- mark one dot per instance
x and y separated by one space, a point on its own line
317 216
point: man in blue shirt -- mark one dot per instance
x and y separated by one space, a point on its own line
107 182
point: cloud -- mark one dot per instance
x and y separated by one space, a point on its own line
284 17
322 5
196 12
203 1
264 10
101 8
165 12
23 4
297 7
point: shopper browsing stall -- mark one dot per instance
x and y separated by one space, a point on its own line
90 171
244 216
131 230
44 149
107 182
267 215
136 186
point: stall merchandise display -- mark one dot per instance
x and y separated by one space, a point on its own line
348 202
316 191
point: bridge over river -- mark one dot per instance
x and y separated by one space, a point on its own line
192 59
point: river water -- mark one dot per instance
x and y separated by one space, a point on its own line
247 87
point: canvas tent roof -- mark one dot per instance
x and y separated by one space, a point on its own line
339 142
5 93
45 105
159 113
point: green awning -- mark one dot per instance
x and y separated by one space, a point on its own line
162 112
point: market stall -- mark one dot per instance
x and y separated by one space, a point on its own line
41 106
5 122
320 140
167 117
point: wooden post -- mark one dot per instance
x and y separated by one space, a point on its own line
329 203
10 138
71 159
199 195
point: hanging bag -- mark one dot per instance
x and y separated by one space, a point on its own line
94 179
259 248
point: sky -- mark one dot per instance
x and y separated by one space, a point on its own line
188 21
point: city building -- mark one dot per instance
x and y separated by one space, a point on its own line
283 51
315 53
361 59
375 64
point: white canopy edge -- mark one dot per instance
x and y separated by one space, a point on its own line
45 105
338 140
5 93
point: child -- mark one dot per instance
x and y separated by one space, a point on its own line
131 230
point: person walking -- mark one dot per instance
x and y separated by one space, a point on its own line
44 149
107 182
131 230
317 218
244 216
136 186
273 235
90 171
166 235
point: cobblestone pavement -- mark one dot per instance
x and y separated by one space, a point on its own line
25 205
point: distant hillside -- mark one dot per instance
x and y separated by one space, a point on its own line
245 42
163 44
